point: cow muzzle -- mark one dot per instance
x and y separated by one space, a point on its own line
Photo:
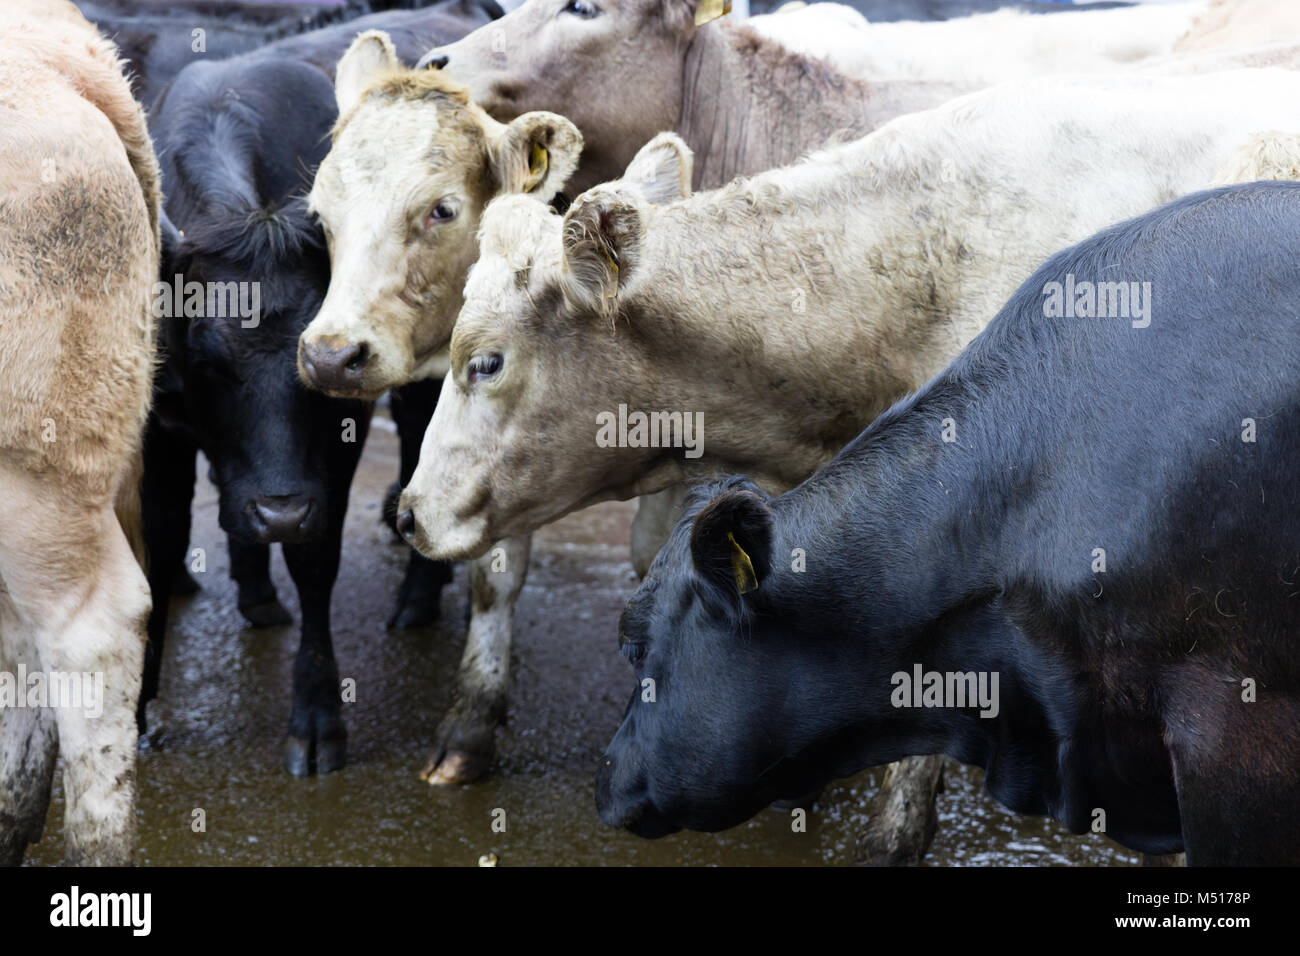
338 370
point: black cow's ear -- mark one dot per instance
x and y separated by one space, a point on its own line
731 540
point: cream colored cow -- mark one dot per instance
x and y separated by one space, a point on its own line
78 257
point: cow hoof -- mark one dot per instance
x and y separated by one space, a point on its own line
183 583
267 614
415 613
304 757
455 766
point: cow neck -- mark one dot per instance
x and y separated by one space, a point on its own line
916 520
904 561
748 104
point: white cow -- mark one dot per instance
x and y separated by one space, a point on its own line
986 48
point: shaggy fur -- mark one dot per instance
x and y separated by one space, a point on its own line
81 239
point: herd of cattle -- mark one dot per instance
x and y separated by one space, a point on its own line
996 311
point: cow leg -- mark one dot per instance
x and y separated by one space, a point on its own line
463 745
1238 787
250 567
421 591
656 516
72 577
167 492
28 747
317 738
903 818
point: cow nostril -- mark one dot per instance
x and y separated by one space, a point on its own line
406 523
360 355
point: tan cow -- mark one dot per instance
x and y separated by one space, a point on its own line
773 318
79 247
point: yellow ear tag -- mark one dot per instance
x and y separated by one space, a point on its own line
538 162
711 10
742 567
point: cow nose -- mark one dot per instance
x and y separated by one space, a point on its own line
336 369
434 61
280 517
406 524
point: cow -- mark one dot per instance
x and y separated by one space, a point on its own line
239 140
807 298
1089 591
79 247
985 48
753 307
624 70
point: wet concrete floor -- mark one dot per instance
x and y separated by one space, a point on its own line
218 726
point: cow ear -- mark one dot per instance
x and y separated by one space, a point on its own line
536 153
731 540
370 56
602 243
662 169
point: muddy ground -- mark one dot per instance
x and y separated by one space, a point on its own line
218 726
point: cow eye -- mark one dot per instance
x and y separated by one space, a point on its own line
439 213
634 651
484 365
580 8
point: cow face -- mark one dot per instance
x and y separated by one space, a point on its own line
272 444
538 352
399 197
708 738
614 67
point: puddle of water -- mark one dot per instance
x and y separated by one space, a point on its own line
224 704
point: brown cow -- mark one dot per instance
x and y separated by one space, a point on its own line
79 247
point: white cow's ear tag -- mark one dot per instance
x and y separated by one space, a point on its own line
742 567
710 10
539 160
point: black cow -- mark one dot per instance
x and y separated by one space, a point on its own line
1099 513
238 142
158 39
883 11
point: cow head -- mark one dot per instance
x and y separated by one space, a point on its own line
412 165
711 734
271 442
614 67
535 356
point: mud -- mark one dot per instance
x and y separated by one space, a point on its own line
224 705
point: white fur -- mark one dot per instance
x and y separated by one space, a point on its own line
986 48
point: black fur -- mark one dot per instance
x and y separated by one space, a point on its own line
1120 690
